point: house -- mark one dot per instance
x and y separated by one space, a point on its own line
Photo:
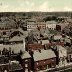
34 47
62 54
15 32
64 18
43 42
44 32
7 24
41 24
54 44
24 33
4 67
61 26
5 35
57 37
14 66
14 47
67 42
26 62
16 39
69 53
44 59
31 25
51 25
9 66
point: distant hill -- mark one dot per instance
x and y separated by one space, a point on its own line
36 13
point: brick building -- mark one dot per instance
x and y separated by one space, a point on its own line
34 47
41 25
26 62
44 59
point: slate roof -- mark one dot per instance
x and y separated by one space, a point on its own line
16 38
15 47
25 55
45 54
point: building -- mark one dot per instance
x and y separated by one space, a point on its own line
16 39
43 42
9 66
61 26
14 66
64 18
31 25
57 37
54 43
44 59
62 54
4 35
51 25
26 62
7 24
41 24
14 47
34 47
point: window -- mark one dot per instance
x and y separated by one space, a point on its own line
37 63
4 33
26 65
52 60
45 67
44 62
40 67
52 65
26 70
49 65
26 60
37 69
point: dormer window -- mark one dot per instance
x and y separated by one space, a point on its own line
26 60
4 33
26 65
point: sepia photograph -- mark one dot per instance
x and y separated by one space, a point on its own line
35 35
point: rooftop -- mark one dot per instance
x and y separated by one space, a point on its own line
44 54
51 22
25 55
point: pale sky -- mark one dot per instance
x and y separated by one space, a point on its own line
35 5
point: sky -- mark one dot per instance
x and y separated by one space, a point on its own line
35 5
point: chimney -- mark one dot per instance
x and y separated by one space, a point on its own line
31 53
39 50
24 44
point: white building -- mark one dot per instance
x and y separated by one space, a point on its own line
51 24
31 25
43 42
57 37
62 54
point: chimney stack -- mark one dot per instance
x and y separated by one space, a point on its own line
39 50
